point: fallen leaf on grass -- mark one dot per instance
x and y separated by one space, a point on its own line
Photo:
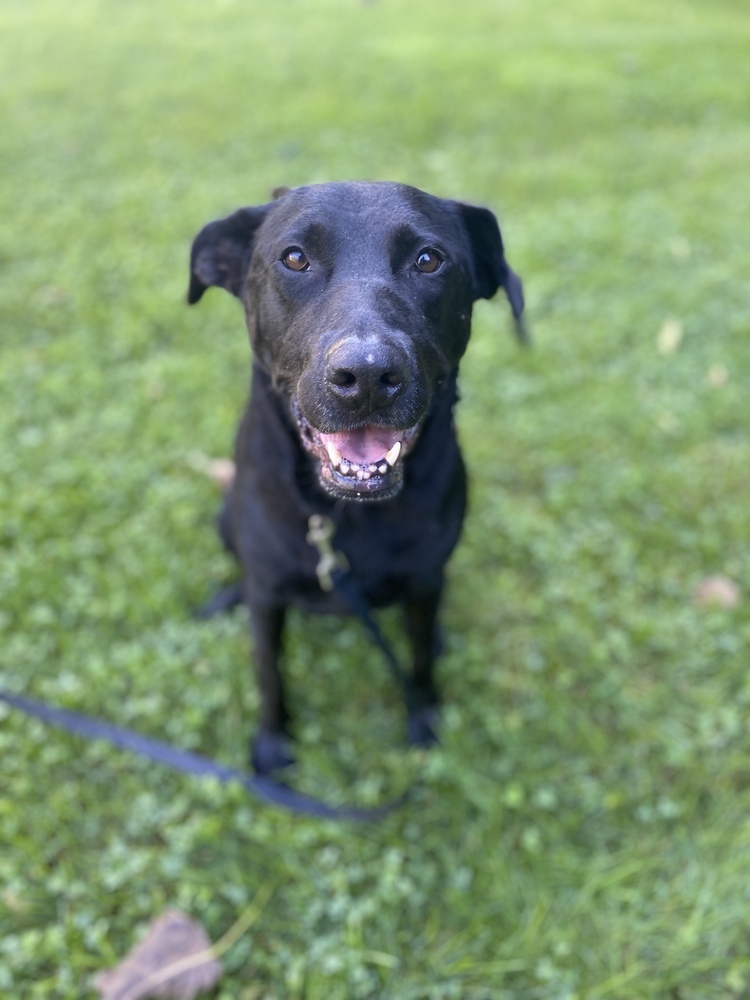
669 338
221 470
717 591
175 959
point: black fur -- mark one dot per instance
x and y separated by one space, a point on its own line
361 346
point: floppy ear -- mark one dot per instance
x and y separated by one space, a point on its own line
491 270
222 250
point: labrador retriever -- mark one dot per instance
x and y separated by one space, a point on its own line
358 300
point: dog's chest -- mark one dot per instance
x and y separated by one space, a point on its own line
394 548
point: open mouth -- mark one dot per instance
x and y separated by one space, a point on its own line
362 464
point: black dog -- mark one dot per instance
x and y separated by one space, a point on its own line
358 300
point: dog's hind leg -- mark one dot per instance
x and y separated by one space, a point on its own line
234 593
270 749
223 600
224 524
421 696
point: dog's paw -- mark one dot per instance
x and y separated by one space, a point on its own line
422 726
271 752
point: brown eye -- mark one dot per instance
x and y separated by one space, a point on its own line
294 259
428 260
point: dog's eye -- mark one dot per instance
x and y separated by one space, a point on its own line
294 259
428 260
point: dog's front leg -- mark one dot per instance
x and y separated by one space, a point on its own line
421 697
270 748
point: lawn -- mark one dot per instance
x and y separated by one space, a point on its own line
584 830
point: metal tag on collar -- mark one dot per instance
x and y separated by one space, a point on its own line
320 534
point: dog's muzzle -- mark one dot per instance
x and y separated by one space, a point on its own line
361 464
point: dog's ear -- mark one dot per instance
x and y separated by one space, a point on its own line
222 250
491 270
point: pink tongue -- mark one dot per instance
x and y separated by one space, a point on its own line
366 444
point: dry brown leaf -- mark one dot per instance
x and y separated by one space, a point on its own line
717 591
174 960
221 470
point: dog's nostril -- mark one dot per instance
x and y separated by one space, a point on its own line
365 375
342 377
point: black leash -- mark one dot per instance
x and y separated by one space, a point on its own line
263 788
332 572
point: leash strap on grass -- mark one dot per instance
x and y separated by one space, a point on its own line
263 788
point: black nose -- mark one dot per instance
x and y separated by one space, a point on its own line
365 374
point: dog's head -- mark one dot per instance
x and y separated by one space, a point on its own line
358 300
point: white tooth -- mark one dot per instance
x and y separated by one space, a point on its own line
360 474
366 475
333 454
382 469
373 468
391 456
344 469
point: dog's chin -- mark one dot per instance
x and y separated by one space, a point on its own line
376 488
364 464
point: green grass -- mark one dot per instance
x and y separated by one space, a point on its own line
585 830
